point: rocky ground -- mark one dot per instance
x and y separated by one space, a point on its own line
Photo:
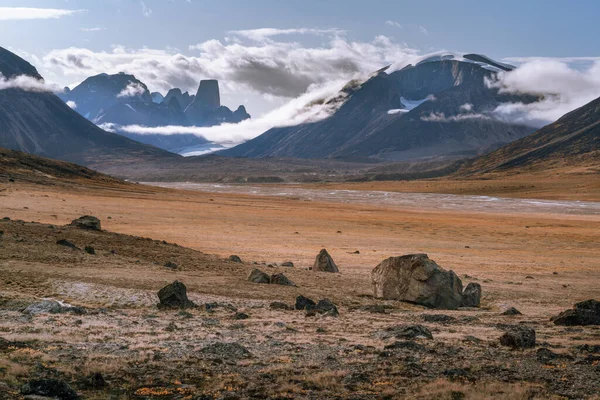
106 337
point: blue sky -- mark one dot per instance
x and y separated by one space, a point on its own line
311 46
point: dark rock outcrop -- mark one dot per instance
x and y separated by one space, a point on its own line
512 311
325 263
324 307
257 276
174 295
407 332
66 243
471 296
50 388
234 258
583 313
518 337
226 350
304 303
417 279
87 222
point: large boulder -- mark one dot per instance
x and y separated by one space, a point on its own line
87 222
257 276
174 295
471 297
519 337
583 313
417 279
325 263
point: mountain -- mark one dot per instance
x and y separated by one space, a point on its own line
183 99
41 123
157 97
439 107
573 142
206 108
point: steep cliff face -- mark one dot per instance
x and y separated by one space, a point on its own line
208 95
206 108
436 108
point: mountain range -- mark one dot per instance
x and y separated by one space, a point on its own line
38 122
439 107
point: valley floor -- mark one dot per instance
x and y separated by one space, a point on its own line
540 263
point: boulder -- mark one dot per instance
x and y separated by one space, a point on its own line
304 303
87 222
417 279
471 296
174 295
512 311
281 279
50 388
325 263
583 313
323 307
518 337
235 259
257 276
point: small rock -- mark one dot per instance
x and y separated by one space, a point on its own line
52 307
171 265
411 332
512 311
257 276
519 337
471 296
87 222
172 327
174 295
545 355
281 279
375 308
324 307
240 316
437 318
235 259
279 305
226 350
304 303
321 330
529 277
90 250
50 388
288 264
405 344
66 243
325 263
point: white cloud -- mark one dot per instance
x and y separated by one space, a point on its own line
561 88
312 106
26 83
275 68
97 29
146 11
441 117
72 104
24 13
466 107
393 23
262 34
133 89
423 30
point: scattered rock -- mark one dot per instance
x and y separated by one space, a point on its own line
356 252
171 265
281 279
172 327
417 279
50 388
324 307
529 277
304 303
437 318
90 250
405 344
321 330
354 380
512 311
52 307
87 222
287 264
410 332
240 316
235 259
174 295
257 276
95 382
279 305
66 243
471 296
583 313
212 307
519 337
226 350
325 263
545 355
375 308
